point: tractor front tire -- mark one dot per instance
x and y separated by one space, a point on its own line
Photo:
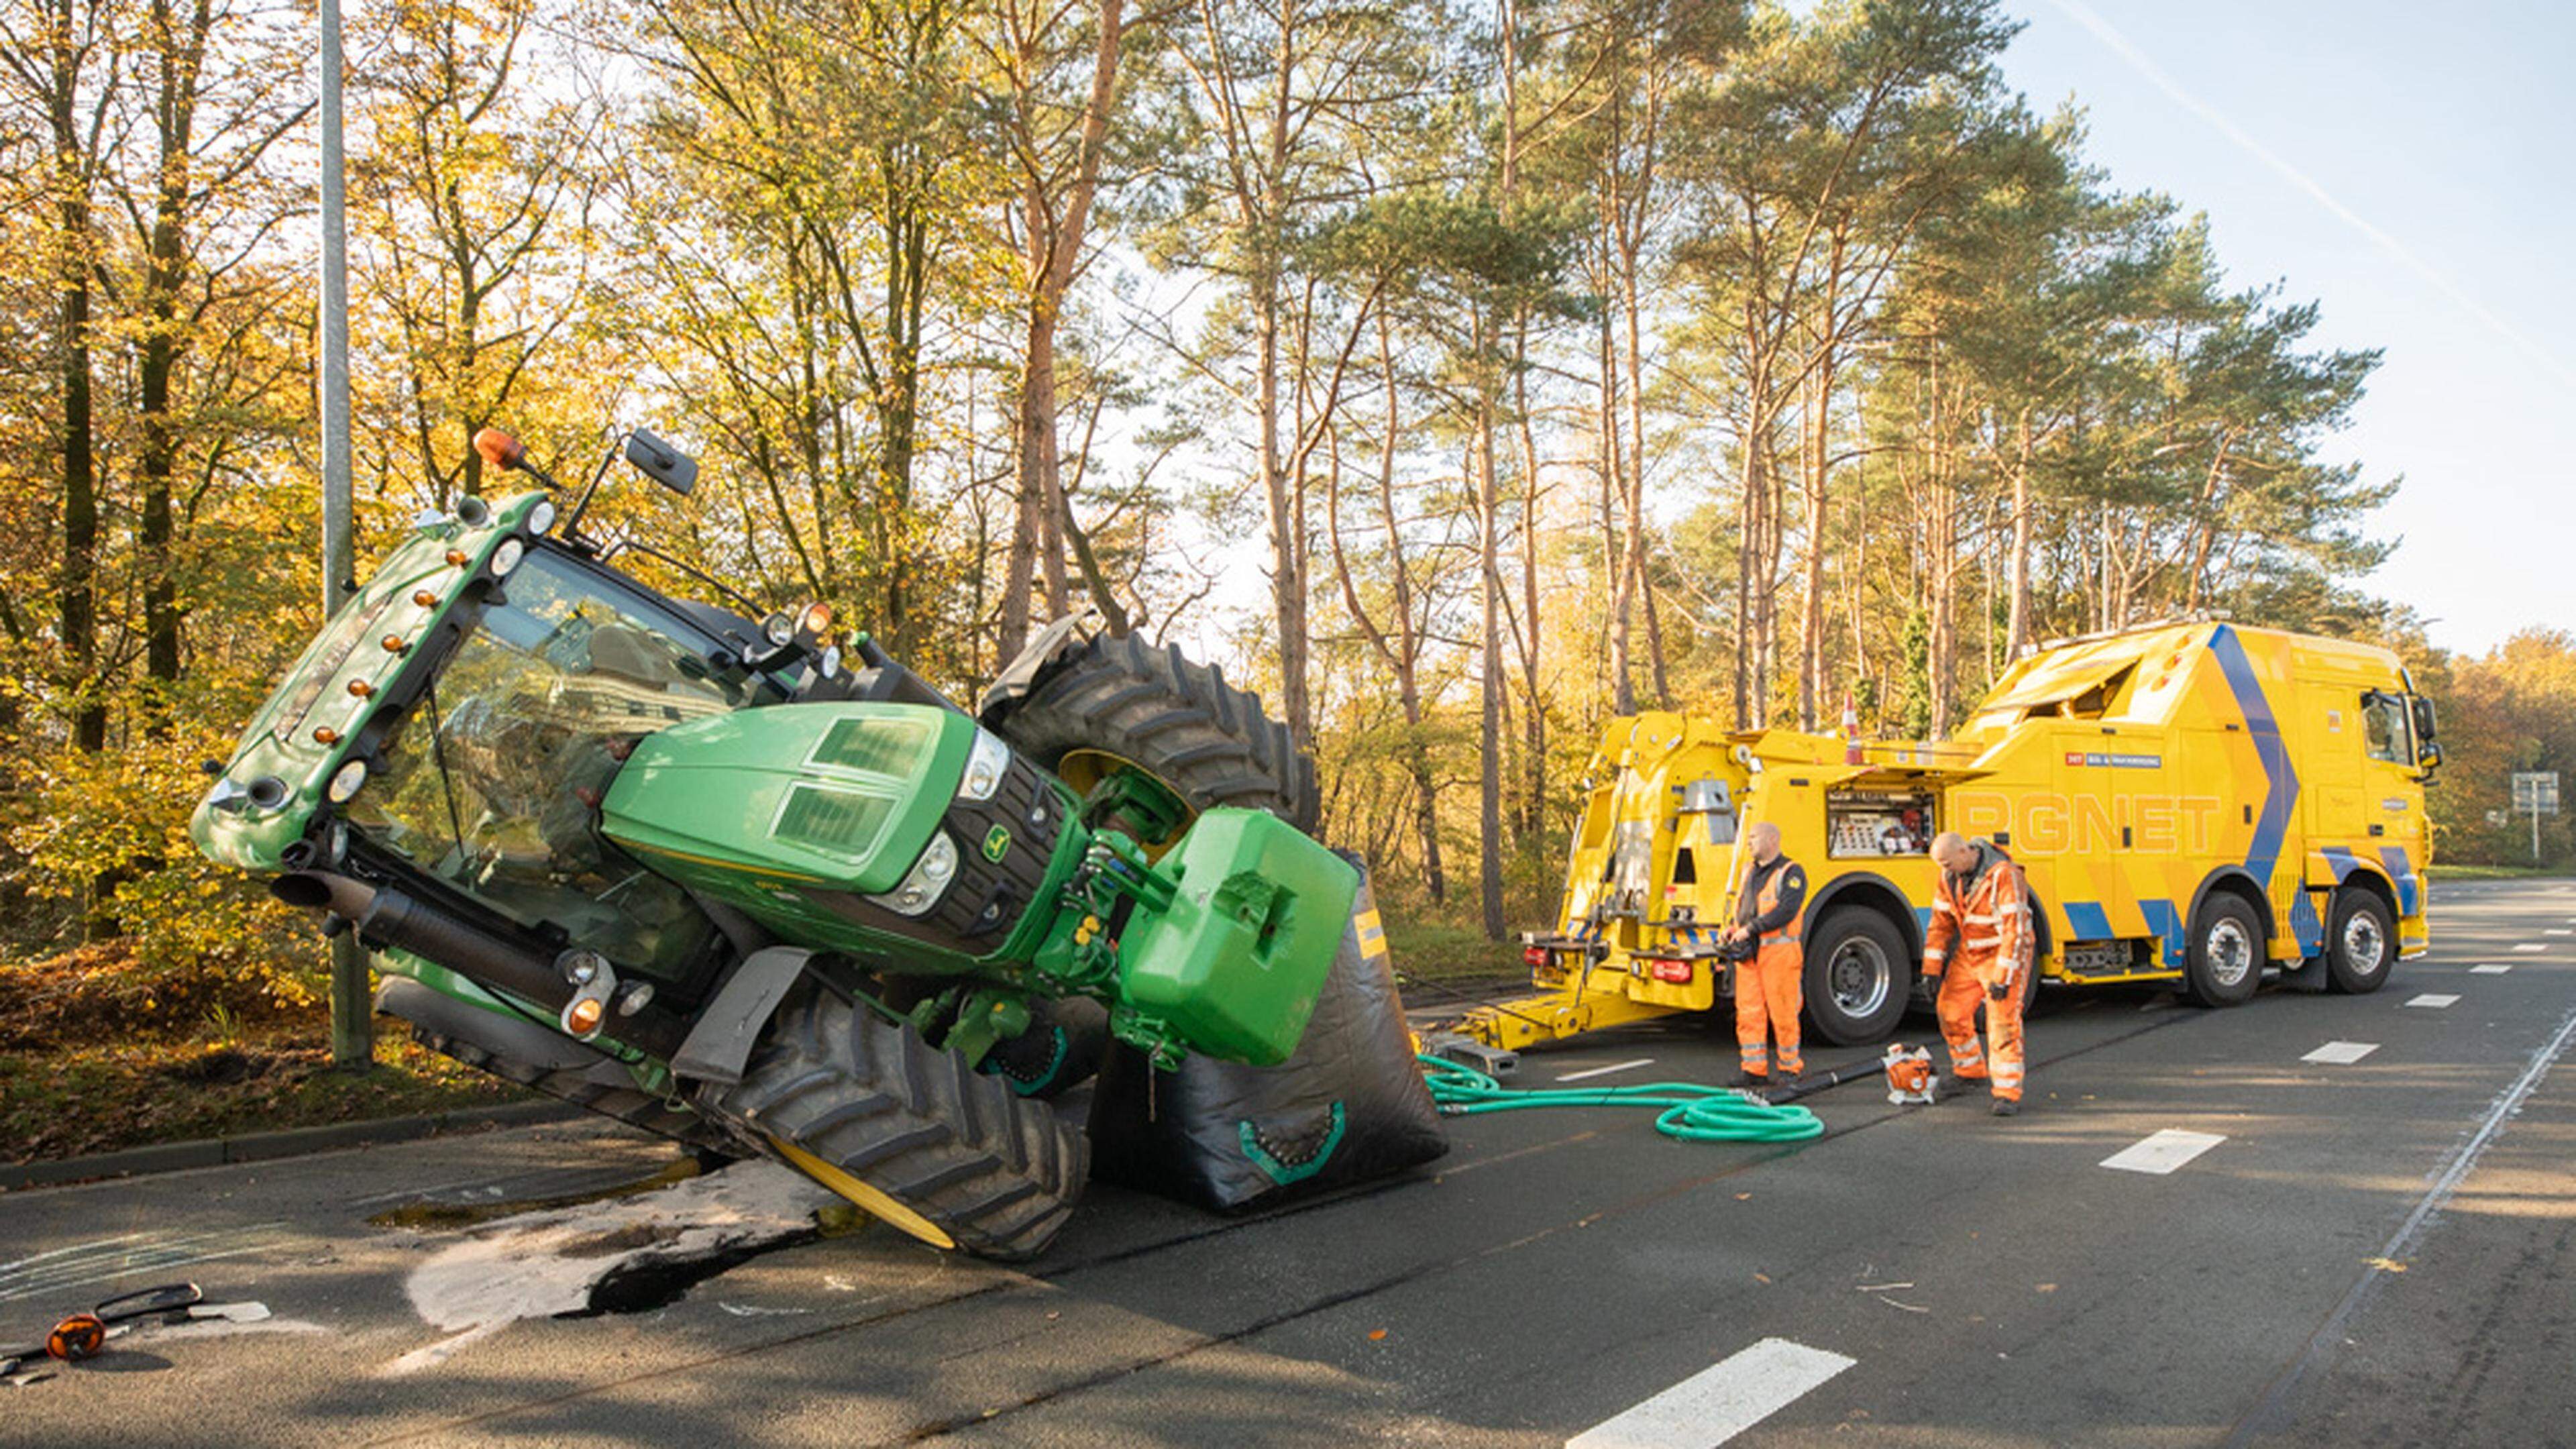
908 1131
1179 721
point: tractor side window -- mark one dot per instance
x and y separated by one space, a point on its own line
2383 729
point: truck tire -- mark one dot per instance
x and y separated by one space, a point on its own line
2361 942
1121 697
605 1087
907 1131
2225 963
1858 977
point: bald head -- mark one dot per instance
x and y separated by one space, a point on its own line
1951 852
1764 838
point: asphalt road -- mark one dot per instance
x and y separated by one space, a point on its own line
2376 1251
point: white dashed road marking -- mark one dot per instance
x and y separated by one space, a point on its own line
2434 999
2489 970
1605 1071
1720 1401
2560 931
2531 946
2341 1053
2163 1152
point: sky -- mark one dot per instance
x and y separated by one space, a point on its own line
2412 169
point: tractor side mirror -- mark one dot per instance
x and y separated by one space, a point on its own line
661 462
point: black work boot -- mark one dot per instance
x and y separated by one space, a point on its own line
2007 1107
1752 1081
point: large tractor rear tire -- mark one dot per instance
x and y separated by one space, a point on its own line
906 1130
1117 700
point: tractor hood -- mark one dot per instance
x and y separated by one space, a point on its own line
840 794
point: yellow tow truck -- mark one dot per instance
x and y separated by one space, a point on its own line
2195 802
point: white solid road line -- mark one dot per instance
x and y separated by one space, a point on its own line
1720 1401
2341 1053
1605 1071
2163 1152
2434 999
2489 970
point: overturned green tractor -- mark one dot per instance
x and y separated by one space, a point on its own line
767 891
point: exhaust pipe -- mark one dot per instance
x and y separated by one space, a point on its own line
386 917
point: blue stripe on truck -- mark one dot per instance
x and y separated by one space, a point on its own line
2273 824
2091 922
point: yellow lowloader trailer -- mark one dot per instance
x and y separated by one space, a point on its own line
2194 802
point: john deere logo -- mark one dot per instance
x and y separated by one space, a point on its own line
997 843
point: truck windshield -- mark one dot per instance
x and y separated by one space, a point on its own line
492 781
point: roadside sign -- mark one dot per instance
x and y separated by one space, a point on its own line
2535 792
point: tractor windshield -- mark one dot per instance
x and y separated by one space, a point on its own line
492 782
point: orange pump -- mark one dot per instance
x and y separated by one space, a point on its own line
1910 1077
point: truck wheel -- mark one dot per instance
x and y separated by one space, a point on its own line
907 1131
605 1087
2361 945
1119 701
2226 959
1858 977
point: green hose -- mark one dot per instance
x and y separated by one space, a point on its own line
1692 1112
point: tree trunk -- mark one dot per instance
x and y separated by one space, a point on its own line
76 586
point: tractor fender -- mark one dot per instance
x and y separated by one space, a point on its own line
720 1044
1021 674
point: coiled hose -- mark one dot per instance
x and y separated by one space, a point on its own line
1692 1112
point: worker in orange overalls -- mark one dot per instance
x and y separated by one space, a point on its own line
1980 947
1769 987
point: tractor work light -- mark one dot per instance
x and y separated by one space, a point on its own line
922 888
984 766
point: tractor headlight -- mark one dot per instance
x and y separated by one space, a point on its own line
928 880
507 556
541 517
345 783
984 767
